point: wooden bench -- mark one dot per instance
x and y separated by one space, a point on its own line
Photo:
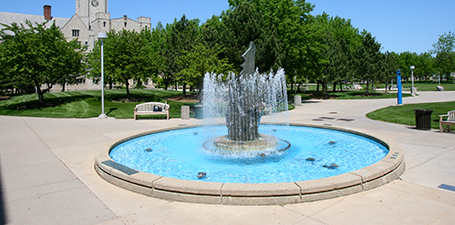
449 122
151 108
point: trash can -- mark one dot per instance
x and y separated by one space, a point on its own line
297 100
423 119
198 111
185 112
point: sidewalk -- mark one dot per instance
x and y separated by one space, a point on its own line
47 174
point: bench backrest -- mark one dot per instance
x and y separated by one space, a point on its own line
149 106
451 116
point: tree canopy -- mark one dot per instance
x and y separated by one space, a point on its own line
445 54
322 48
33 55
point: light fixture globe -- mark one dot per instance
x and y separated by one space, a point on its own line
102 36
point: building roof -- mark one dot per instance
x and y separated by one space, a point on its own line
8 18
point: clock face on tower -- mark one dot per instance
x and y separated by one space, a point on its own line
94 3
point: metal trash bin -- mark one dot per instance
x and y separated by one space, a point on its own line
198 111
423 119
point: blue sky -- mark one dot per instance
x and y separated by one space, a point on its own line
399 25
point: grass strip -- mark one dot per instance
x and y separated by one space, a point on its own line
404 114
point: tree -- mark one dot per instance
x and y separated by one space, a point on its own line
340 40
179 37
128 55
334 59
70 69
278 28
199 61
287 19
387 66
405 60
242 24
424 66
33 55
158 46
445 54
148 62
367 59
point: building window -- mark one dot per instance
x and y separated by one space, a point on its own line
86 43
75 33
104 24
124 24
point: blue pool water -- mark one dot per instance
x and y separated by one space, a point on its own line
179 154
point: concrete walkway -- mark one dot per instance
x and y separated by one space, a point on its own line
47 174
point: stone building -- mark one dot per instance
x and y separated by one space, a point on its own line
91 17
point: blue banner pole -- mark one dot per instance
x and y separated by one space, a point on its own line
400 93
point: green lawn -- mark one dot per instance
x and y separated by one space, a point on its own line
431 86
347 95
85 104
421 86
425 86
404 114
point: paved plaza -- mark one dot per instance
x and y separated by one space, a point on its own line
48 177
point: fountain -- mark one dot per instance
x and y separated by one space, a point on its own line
242 100
243 154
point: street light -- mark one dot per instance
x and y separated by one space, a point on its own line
102 37
412 80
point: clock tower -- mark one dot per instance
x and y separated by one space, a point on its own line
87 10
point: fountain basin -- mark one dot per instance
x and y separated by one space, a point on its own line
382 172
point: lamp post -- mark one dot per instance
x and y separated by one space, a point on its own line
412 81
102 37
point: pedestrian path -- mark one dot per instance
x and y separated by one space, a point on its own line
47 174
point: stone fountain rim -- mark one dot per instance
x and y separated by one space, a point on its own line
375 175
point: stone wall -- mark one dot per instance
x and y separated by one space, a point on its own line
129 24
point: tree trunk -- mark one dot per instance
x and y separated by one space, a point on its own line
201 86
39 92
324 89
63 86
317 87
334 86
368 87
127 84
184 88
